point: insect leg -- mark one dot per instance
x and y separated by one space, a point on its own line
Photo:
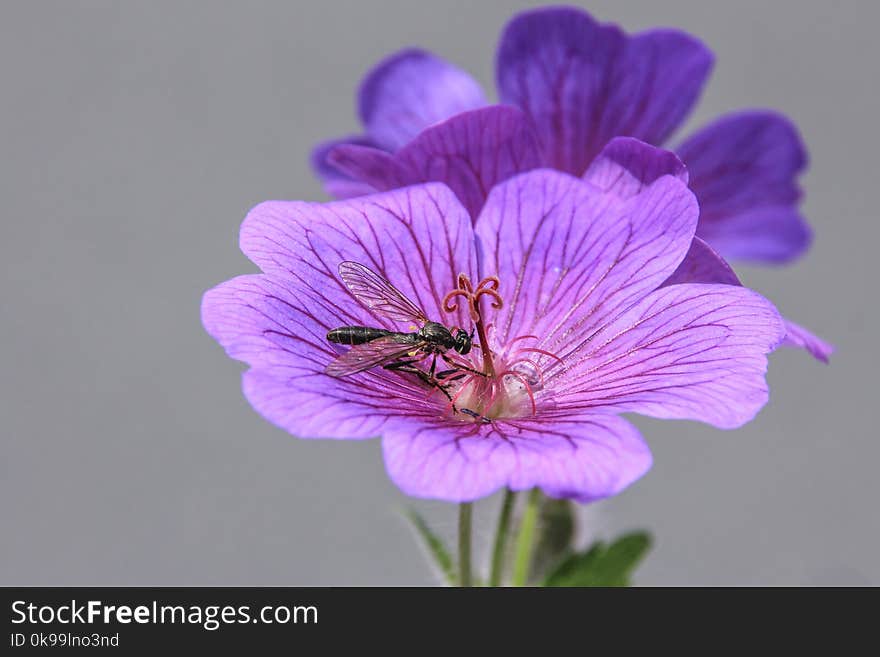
448 375
409 368
460 366
476 416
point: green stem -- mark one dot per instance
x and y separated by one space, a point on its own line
500 547
525 541
465 510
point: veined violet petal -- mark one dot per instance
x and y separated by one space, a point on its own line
583 83
419 238
570 257
472 152
688 351
267 323
626 166
585 457
743 168
702 264
336 182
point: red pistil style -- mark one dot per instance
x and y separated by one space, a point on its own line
487 287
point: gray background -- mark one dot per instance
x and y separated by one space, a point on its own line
134 136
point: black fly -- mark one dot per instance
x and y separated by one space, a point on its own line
395 350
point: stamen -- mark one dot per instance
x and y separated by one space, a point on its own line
543 352
523 337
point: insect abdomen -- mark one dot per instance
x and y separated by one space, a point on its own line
352 335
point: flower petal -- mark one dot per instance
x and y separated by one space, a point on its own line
703 265
471 153
337 183
372 167
569 257
263 321
626 166
799 337
419 238
689 351
743 168
411 90
771 234
585 458
583 83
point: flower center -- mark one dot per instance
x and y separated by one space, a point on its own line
508 378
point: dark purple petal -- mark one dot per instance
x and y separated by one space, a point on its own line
471 153
418 238
411 90
799 337
703 265
570 257
373 167
743 168
336 182
584 457
584 83
770 234
626 166
690 351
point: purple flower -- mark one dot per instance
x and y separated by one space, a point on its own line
570 85
571 88
561 283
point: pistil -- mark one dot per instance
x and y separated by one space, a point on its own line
487 287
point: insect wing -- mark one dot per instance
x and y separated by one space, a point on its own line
377 294
364 356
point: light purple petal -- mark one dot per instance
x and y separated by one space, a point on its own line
586 458
703 265
570 257
263 321
626 166
584 83
411 90
336 182
687 351
743 168
471 153
799 337
419 238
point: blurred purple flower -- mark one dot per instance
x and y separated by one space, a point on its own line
570 87
576 328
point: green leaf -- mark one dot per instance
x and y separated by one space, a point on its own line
602 564
435 547
556 527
